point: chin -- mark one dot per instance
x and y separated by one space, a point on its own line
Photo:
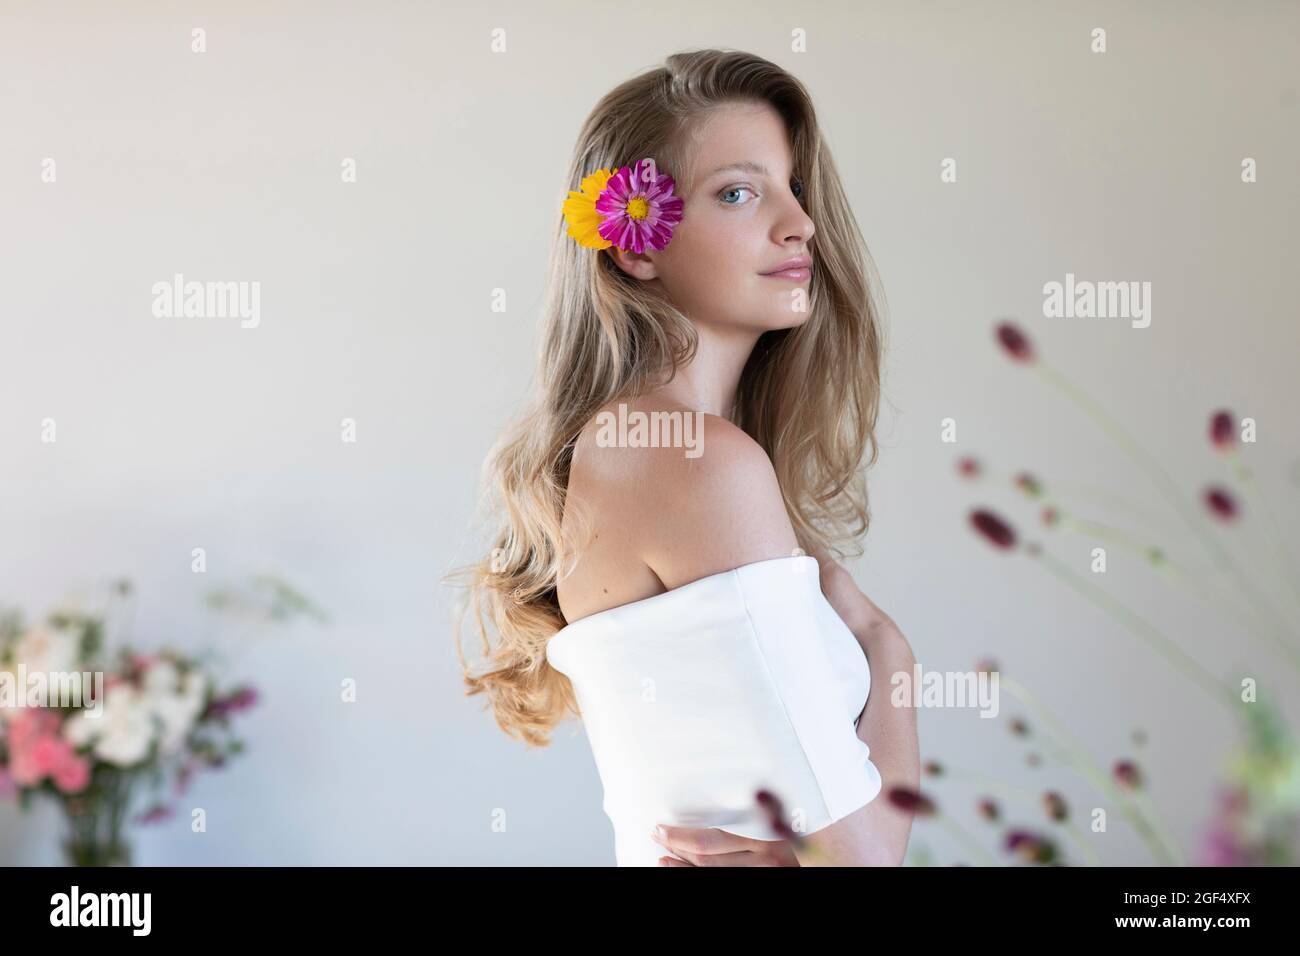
785 319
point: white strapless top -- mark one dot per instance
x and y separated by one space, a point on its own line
695 698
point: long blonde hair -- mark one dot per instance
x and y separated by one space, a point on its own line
809 395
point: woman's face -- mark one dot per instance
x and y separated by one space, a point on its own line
741 222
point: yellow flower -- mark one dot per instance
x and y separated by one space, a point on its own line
580 210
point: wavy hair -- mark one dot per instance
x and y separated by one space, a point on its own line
809 395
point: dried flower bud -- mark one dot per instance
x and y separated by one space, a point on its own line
1014 342
996 531
1223 431
1127 775
1030 846
1221 503
1055 806
912 801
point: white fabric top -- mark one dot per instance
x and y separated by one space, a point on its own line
695 698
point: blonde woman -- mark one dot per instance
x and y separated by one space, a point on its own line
668 509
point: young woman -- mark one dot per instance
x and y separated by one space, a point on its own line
708 287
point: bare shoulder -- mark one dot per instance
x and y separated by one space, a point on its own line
716 511
701 499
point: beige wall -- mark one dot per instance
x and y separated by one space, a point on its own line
178 433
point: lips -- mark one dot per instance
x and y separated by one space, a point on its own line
797 269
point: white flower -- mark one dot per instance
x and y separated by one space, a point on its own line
179 709
44 650
122 733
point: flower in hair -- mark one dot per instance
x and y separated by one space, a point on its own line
632 208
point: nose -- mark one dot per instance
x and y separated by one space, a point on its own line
794 224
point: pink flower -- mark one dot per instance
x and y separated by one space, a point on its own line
37 751
49 754
638 208
968 467
73 774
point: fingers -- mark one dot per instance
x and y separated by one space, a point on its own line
700 840
741 858
708 846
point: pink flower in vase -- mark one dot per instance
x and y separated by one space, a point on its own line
37 750
73 774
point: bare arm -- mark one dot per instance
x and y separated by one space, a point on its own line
876 834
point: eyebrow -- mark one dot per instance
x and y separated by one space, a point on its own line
747 165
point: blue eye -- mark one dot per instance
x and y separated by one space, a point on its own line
733 189
796 187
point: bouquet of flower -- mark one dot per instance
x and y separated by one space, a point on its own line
90 727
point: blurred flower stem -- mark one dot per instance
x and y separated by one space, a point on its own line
1139 626
1251 490
965 838
1200 589
1162 479
1161 844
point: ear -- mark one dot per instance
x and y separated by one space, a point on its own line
637 265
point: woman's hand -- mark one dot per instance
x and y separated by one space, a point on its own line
709 846
855 609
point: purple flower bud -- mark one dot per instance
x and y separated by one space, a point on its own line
774 812
1221 503
1015 343
1030 846
1055 806
912 801
968 467
1127 775
1223 431
996 531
